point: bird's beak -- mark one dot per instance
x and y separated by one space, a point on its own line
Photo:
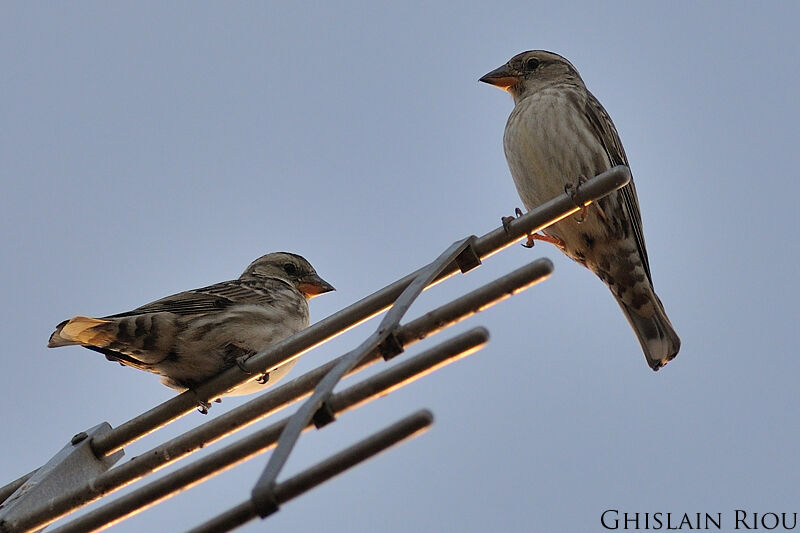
503 77
312 285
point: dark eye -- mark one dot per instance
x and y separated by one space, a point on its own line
290 269
531 63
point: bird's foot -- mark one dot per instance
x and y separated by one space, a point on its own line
531 236
203 407
262 379
240 362
508 220
572 190
544 238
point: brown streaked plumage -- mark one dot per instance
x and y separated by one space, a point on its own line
191 336
558 134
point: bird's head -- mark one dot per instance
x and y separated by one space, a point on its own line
291 268
531 71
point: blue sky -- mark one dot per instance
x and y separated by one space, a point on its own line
151 149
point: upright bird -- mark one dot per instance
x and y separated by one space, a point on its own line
557 135
191 336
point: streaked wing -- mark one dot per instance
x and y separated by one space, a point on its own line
607 133
213 298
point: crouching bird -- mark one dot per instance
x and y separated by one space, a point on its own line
557 135
191 336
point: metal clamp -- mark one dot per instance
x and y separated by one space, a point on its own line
391 346
324 416
75 464
468 258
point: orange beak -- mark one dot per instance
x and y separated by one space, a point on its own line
313 285
503 77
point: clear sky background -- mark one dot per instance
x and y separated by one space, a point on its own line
150 149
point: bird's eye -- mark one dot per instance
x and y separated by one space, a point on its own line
531 63
290 269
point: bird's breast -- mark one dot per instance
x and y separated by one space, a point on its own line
548 144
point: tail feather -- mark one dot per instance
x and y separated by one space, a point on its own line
660 343
80 330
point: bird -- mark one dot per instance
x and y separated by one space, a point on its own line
194 335
557 136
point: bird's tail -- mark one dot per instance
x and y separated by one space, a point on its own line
659 341
81 330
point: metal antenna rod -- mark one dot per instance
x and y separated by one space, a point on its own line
533 221
354 396
292 347
262 494
419 328
321 472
